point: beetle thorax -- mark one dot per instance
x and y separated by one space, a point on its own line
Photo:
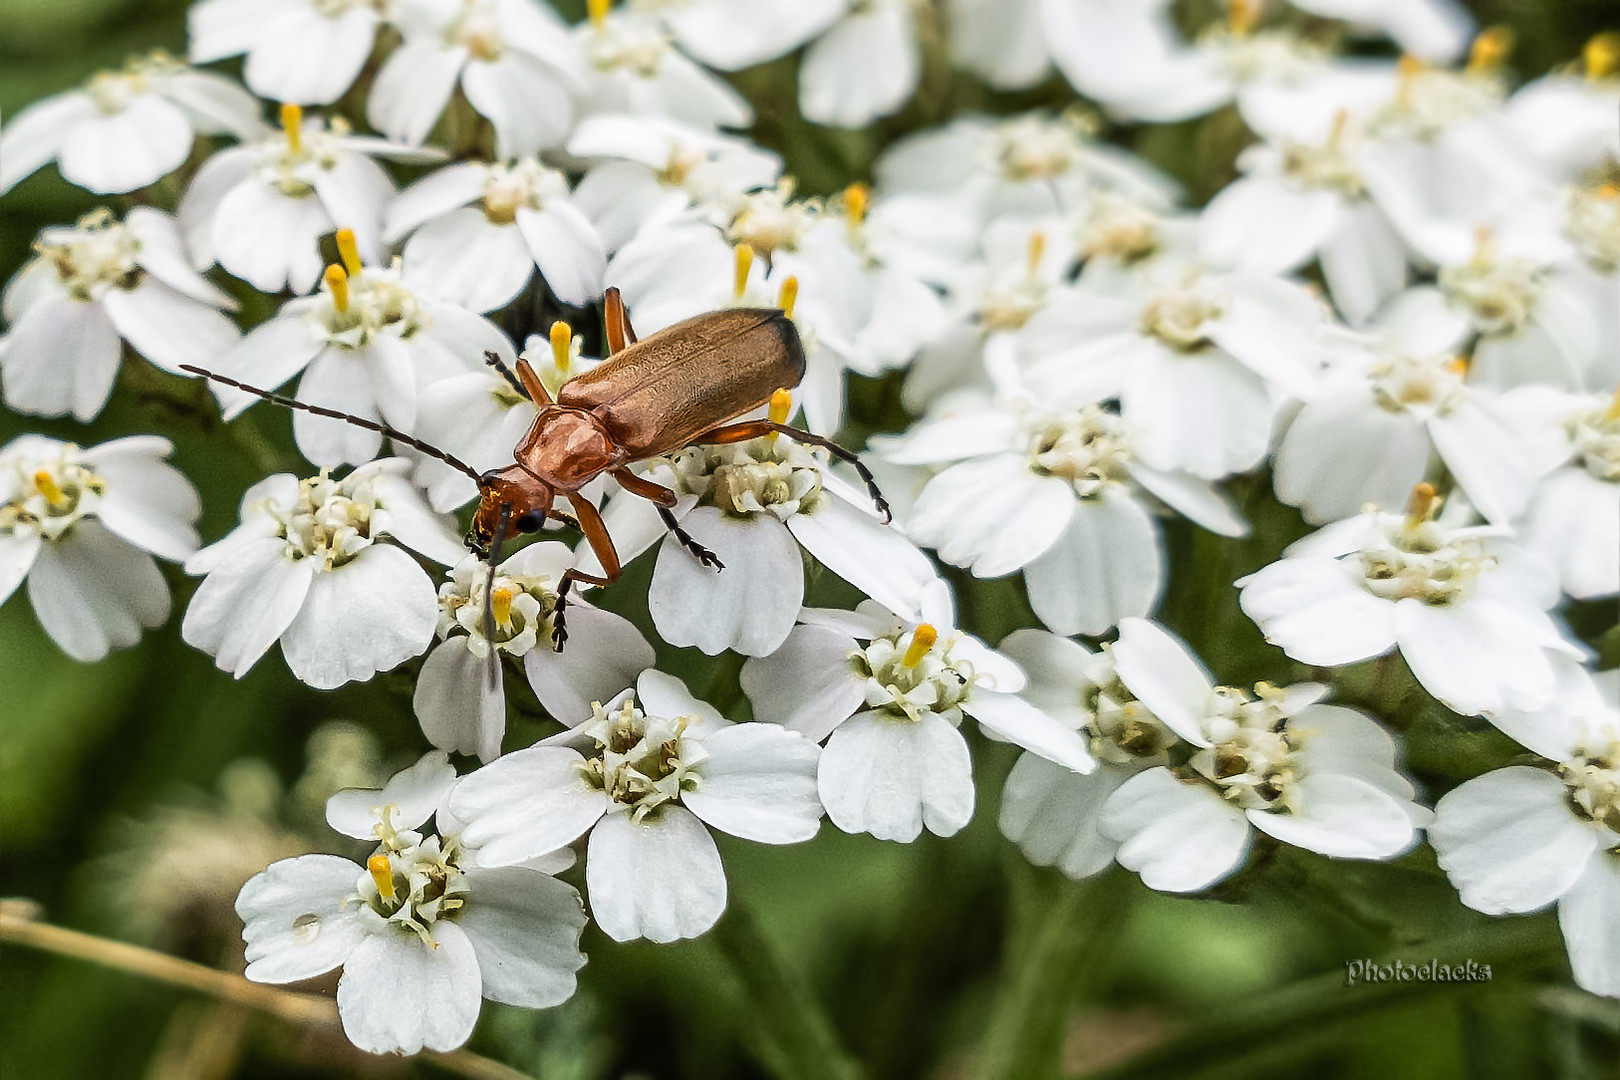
568 448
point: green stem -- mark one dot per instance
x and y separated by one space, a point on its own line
1058 927
793 1035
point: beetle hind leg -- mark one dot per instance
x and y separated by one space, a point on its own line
753 429
699 552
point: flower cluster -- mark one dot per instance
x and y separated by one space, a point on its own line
1398 319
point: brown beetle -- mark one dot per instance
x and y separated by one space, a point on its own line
684 385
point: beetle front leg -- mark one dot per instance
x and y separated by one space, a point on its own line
591 524
664 499
753 429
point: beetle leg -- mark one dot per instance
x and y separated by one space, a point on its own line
753 429
537 391
619 331
665 499
590 523
493 359
684 538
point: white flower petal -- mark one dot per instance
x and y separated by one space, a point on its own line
1315 610
92 592
245 603
169 328
1343 451
163 254
369 615
434 195
1589 916
308 57
991 515
872 556
1052 813
759 783
866 66
1364 262
117 152
413 795
411 90
605 653
525 101
1473 656
354 190
1508 841
1341 816
1164 676
54 328
525 930
807 685
1181 837
34 135
295 918
464 258
267 239
398 994
457 710
891 777
267 356
527 803
339 379
565 246
1490 464
1264 226
18 551
1106 566
749 606
1010 717
659 878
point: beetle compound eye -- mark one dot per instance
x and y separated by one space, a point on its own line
530 522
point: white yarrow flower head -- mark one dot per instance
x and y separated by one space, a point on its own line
635 69
1053 813
1388 405
481 256
260 210
303 51
647 776
421 930
1521 838
458 708
513 60
126 129
1466 608
367 345
888 694
1320 777
93 286
1564 117
1059 494
81 526
307 566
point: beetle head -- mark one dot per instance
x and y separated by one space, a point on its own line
526 497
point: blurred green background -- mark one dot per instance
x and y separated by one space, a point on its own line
136 794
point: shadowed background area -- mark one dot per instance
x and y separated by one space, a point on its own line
137 794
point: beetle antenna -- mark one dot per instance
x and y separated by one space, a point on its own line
492 667
332 414
493 359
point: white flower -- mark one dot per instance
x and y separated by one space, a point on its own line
895 762
90 286
1003 42
305 566
1433 30
303 51
636 69
1565 118
1385 408
370 347
864 66
1200 361
1053 813
754 505
422 931
482 256
1059 494
1300 201
458 708
1320 777
125 129
1466 609
1521 838
1573 521
260 210
79 524
650 167
644 776
513 60
733 34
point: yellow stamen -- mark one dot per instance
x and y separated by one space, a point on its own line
1491 47
598 10
348 251
1613 411
1458 365
1340 120
1608 191
500 602
781 406
1407 68
744 254
922 639
1422 505
48 487
1484 244
1601 56
1242 15
292 122
1037 249
382 872
857 200
788 295
562 344
338 283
